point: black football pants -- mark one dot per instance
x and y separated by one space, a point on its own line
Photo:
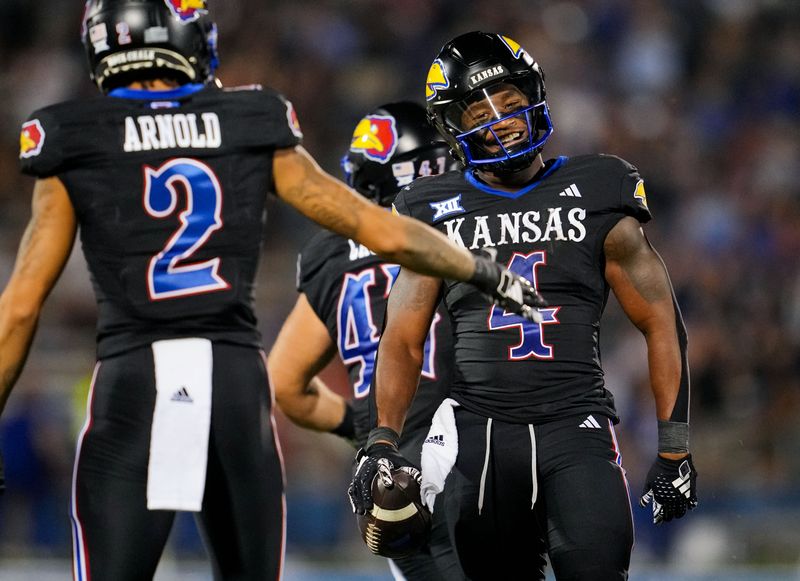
115 536
581 518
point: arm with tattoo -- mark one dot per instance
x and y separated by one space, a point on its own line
329 202
640 282
408 242
43 252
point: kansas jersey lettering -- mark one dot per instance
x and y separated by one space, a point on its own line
347 286
552 232
169 191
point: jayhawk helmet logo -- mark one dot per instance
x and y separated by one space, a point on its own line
640 194
517 50
31 139
187 10
437 79
375 137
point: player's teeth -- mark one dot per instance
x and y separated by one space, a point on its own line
511 137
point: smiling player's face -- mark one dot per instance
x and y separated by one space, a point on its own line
492 104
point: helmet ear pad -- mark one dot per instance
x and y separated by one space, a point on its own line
475 66
135 40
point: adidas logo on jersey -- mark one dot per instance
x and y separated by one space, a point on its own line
182 395
590 423
437 440
571 192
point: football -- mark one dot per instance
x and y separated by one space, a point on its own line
398 524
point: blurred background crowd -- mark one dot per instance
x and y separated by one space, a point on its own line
702 95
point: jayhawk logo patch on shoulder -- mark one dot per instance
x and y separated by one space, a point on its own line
187 10
375 137
31 139
294 122
437 79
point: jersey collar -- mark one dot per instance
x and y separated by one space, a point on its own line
182 91
470 176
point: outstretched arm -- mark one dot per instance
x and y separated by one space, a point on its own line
300 352
328 201
400 239
44 249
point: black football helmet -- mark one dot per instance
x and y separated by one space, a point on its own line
485 95
391 146
134 40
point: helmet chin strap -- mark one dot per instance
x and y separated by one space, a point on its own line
510 167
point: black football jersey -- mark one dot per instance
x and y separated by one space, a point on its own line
169 190
348 286
552 232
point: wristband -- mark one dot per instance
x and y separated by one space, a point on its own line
673 437
486 276
382 433
347 428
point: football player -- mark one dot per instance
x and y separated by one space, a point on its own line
343 289
165 175
530 424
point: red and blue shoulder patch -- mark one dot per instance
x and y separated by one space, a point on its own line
31 139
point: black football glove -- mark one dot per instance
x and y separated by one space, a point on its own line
376 459
671 485
508 290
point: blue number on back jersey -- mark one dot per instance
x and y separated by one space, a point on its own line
531 344
169 275
358 336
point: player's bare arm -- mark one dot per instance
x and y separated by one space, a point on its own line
409 311
44 249
640 282
302 350
326 200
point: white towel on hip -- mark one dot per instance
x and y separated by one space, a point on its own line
439 451
176 472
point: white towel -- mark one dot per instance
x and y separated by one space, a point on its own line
439 451
176 474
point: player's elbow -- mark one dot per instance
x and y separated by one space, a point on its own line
389 242
291 402
289 394
19 314
400 352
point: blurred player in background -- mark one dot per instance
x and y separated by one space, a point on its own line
343 289
166 175
529 430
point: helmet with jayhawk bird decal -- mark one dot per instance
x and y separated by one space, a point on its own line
470 70
135 40
391 146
